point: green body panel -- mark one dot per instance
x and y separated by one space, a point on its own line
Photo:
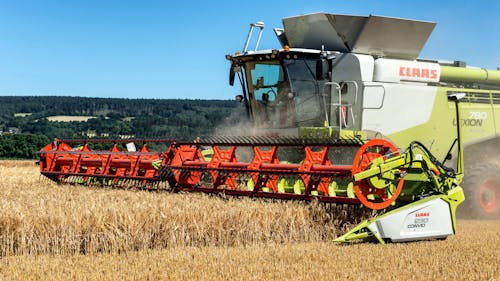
480 116
437 134
479 121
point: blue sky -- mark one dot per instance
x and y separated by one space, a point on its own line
167 49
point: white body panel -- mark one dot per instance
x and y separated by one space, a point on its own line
396 71
389 108
430 220
353 67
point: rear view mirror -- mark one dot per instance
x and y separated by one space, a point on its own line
232 73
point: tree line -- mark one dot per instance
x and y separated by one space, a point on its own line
26 128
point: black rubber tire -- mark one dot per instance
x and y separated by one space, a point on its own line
475 176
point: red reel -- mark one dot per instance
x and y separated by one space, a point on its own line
370 151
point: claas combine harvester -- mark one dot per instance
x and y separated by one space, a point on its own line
343 113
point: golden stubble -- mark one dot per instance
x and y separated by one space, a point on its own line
40 217
462 257
52 232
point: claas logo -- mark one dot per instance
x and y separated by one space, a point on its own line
424 214
418 72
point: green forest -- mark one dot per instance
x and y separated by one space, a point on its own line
29 123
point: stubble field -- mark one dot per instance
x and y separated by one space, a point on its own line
51 232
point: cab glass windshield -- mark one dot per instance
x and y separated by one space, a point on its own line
284 95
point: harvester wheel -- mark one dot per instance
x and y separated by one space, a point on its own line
375 198
482 191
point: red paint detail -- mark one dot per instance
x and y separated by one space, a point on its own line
344 116
415 72
185 168
489 195
425 73
402 71
362 161
434 74
312 159
260 157
418 72
425 214
436 171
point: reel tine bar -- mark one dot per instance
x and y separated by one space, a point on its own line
211 165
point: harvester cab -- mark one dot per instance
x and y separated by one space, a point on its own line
283 91
318 77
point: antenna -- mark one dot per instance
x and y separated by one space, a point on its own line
259 25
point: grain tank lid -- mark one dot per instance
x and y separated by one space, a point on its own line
373 35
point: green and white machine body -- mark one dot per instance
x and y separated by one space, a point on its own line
342 75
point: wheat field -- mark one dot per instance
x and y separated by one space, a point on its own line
62 232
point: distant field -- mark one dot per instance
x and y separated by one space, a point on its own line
52 232
66 118
22 114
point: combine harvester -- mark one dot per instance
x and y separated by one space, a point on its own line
344 113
